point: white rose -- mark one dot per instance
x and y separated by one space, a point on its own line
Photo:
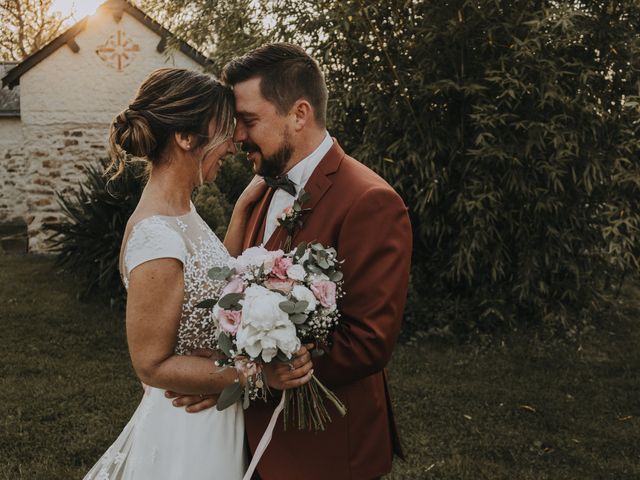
303 293
265 328
265 343
261 308
254 257
286 339
296 272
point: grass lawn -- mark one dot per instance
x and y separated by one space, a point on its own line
525 409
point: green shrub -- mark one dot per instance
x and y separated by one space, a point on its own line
88 242
512 131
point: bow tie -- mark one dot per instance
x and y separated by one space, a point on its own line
283 182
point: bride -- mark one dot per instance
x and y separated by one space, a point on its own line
181 123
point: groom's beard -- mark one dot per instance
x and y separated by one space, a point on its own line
273 165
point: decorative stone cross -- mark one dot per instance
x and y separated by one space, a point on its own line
118 51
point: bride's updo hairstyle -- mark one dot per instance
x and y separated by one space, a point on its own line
170 100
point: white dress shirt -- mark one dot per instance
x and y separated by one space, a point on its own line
299 175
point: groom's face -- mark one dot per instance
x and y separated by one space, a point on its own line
263 132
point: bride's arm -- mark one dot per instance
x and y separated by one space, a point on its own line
154 305
241 211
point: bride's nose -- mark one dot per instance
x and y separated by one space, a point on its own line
232 148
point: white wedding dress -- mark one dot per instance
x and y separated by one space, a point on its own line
162 441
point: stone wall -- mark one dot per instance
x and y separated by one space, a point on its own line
13 170
56 157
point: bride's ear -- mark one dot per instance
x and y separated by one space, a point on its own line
184 140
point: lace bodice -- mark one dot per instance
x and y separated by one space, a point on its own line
188 239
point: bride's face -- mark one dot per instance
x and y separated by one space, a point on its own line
214 159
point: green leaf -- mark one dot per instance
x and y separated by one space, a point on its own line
208 303
230 300
225 344
336 276
304 197
300 249
229 396
298 318
314 269
322 262
288 306
301 306
220 273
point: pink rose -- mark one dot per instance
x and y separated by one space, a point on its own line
280 267
229 320
285 213
235 285
325 292
275 283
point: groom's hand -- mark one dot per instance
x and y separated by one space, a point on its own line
193 403
286 375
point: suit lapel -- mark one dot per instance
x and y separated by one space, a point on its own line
320 180
256 223
317 185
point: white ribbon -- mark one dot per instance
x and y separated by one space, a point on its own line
266 439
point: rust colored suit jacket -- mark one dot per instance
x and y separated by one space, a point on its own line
358 213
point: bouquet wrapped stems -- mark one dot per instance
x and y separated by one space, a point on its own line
305 407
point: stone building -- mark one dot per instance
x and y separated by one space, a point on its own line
57 104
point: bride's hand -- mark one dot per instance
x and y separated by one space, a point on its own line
252 193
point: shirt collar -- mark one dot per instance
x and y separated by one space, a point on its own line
301 171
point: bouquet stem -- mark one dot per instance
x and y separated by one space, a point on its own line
305 406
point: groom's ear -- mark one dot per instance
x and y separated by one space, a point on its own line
303 113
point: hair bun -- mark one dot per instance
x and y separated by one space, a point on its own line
133 133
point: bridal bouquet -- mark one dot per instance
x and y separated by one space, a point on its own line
272 303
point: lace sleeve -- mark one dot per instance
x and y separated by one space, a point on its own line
150 239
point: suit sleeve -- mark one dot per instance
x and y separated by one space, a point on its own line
375 242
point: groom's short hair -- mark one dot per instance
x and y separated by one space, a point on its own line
287 74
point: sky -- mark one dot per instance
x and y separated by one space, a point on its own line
79 8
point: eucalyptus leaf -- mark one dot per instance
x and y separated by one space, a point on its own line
301 306
229 396
219 273
317 352
229 300
287 306
208 303
225 344
304 197
336 276
313 268
322 263
298 318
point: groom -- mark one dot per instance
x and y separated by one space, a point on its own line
281 103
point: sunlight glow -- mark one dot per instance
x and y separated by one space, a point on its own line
77 8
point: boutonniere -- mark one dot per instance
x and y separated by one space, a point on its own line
291 217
